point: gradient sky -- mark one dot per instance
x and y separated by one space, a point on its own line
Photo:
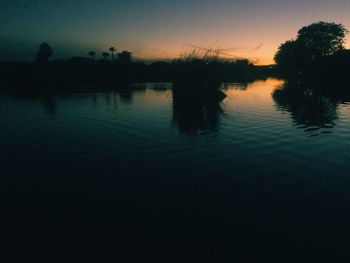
159 29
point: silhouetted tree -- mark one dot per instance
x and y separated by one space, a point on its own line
313 43
288 56
105 55
322 39
92 54
124 57
44 53
112 50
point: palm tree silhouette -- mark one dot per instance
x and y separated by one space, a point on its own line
112 50
92 54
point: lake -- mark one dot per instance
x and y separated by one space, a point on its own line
255 169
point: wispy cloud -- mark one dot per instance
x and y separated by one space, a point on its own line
258 47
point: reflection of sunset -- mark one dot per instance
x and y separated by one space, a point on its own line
260 90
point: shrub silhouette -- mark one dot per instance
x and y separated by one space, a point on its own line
105 55
124 57
44 53
92 54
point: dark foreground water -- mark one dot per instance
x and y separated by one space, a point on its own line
257 174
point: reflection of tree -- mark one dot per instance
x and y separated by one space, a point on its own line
311 111
126 96
126 92
197 110
47 99
50 105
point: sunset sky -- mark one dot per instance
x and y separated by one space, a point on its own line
159 29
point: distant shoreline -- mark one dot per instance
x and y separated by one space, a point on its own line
80 73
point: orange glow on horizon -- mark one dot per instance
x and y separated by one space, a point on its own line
258 52
262 56
259 58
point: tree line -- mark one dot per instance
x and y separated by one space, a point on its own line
316 56
45 52
199 66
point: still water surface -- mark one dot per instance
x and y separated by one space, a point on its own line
258 163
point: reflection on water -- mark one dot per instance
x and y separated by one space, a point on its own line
196 112
120 157
48 101
50 105
312 113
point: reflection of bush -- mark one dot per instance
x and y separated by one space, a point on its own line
196 108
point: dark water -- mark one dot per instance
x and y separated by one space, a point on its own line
259 172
